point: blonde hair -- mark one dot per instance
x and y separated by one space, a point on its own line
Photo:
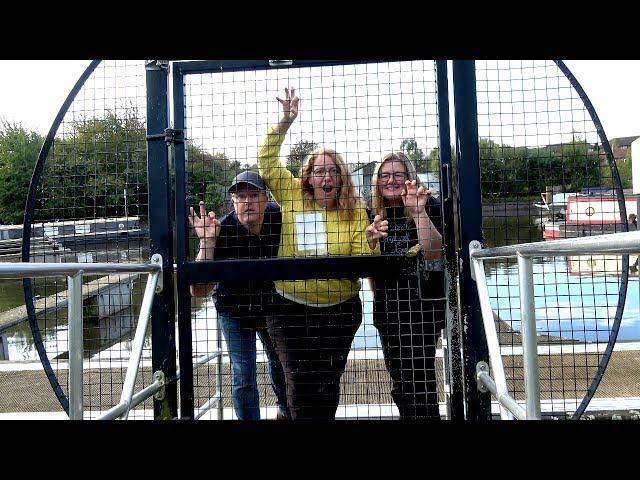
348 199
378 203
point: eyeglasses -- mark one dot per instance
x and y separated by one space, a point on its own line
395 175
243 197
321 172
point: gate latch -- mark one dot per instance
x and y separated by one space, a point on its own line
170 135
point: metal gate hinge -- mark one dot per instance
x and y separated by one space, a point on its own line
481 367
157 65
159 377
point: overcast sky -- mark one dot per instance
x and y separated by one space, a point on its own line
31 92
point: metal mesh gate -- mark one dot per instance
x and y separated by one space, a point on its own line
361 111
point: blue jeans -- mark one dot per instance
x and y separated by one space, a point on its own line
241 343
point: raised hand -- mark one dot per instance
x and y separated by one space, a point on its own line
206 225
289 105
415 197
377 230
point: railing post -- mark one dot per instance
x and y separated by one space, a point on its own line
493 343
76 349
529 337
138 340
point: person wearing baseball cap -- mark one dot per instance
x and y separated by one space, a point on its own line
250 230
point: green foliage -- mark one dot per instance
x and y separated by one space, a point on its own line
91 166
89 169
525 172
297 155
624 170
423 163
19 151
209 175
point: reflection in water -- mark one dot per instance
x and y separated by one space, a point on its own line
569 303
575 297
111 333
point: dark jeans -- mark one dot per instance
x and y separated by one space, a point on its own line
409 331
312 345
241 344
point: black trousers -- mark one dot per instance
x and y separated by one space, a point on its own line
312 345
409 331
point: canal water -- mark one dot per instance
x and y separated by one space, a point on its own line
574 299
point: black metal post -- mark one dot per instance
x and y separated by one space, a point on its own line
453 355
160 232
182 235
470 228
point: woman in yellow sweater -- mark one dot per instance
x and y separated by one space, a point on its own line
321 215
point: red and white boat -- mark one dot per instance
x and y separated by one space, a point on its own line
591 215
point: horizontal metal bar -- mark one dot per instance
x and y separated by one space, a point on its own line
216 66
137 399
37 270
504 399
612 243
203 360
207 406
207 358
308 267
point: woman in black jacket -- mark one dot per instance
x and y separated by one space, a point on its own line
408 311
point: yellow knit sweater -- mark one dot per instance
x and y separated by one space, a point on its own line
315 232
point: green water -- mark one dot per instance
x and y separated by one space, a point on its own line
98 333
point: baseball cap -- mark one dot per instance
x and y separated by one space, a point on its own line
250 177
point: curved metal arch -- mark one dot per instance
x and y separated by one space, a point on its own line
26 234
622 293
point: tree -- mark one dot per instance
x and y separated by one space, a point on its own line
297 155
88 170
208 176
624 170
409 147
19 151
521 171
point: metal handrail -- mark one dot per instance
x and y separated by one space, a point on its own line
74 273
39 270
611 243
615 243
138 342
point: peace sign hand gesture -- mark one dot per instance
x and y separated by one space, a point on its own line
206 226
289 105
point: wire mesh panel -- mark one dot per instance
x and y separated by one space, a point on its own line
547 172
88 203
294 174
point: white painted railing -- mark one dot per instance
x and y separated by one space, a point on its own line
616 243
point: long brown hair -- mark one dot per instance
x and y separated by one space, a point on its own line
348 198
378 203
